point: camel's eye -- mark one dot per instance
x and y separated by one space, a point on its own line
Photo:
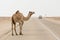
30 12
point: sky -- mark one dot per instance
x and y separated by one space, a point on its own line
40 7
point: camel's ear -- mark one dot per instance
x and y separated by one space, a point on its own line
30 12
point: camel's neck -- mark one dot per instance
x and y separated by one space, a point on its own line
27 17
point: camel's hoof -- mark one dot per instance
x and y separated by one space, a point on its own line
16 34
12 34
20 34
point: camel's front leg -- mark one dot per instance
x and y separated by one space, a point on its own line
21 24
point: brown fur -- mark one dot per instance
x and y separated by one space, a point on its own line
18 17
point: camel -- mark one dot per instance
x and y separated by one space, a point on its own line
18 17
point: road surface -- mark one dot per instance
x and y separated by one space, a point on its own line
34 29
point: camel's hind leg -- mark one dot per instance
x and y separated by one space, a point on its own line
12 29
21 24
15 29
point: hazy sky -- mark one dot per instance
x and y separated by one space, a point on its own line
40 7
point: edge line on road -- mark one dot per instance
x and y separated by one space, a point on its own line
50 31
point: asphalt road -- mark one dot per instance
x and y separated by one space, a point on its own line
53 26
34 29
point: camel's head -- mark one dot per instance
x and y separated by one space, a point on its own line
31 13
